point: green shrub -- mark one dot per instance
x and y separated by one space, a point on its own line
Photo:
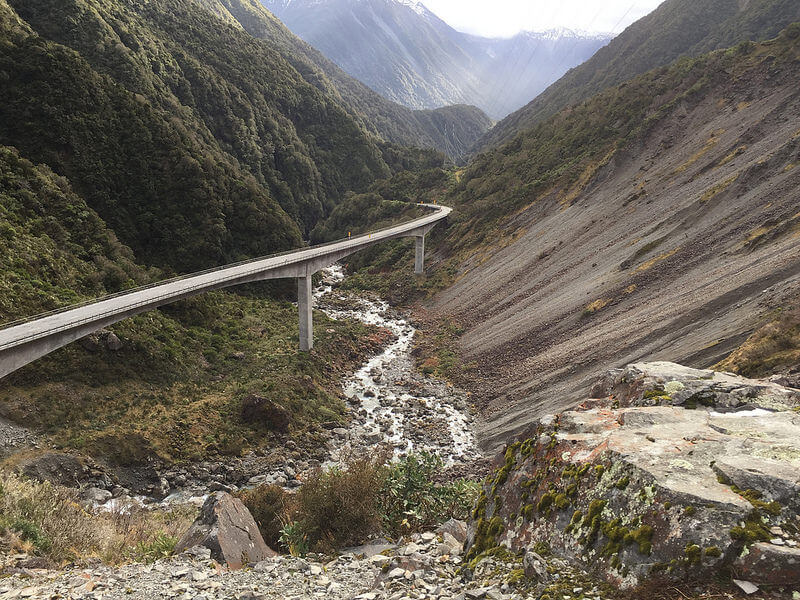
339 507
344 506
294 539
272 507
412 501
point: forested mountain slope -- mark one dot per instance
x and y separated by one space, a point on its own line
139 139
54 250
197 143
657 220
450 129
676 28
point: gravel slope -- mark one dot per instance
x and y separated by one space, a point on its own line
684 239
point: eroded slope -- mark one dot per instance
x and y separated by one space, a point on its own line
667 241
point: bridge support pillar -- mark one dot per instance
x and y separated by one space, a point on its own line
305 300
419 255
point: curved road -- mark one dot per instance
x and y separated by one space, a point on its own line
24 342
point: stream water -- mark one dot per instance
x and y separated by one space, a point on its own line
390 402
393 403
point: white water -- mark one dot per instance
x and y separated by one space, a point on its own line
388 403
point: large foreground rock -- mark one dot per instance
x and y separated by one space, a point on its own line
638 485
227 528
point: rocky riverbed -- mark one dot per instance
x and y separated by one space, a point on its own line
428 565
390 403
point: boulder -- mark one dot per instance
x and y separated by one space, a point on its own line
768 564
265 413
94 342
55 467
634 486
94 495
456 528
112 342
670 384
227 528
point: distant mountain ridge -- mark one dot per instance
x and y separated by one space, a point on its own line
452 130
404 51
676 28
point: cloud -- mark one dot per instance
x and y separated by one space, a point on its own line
502 18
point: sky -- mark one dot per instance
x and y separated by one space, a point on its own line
504 18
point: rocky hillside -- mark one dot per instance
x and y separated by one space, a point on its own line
658 219
667 474
452 129
408 54
677 28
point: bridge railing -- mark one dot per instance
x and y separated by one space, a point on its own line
142 288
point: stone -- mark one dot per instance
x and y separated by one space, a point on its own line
112 342
767 564
535 567
379 560
774 479
746 586
96 495
632 487
198 552
449 545
265 413
227 528
458 529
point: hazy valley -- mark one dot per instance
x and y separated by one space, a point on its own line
406 53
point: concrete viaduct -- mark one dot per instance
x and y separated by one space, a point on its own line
23 342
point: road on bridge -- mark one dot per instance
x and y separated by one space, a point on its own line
25 341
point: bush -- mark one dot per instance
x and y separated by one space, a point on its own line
272 508
345 506
340 507
411 501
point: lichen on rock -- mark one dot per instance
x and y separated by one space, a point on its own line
673 472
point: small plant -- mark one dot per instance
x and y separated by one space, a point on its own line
272 507
162 546
412 501
294 539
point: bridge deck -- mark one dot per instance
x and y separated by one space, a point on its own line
299 263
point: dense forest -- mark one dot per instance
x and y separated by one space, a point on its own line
142 139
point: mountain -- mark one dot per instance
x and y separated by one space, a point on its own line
402 50
657 220
675 29
141 139
452 130
194 141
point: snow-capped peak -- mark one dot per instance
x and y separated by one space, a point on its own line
414 5
565 32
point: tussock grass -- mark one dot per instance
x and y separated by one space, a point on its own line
47 520
773 348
